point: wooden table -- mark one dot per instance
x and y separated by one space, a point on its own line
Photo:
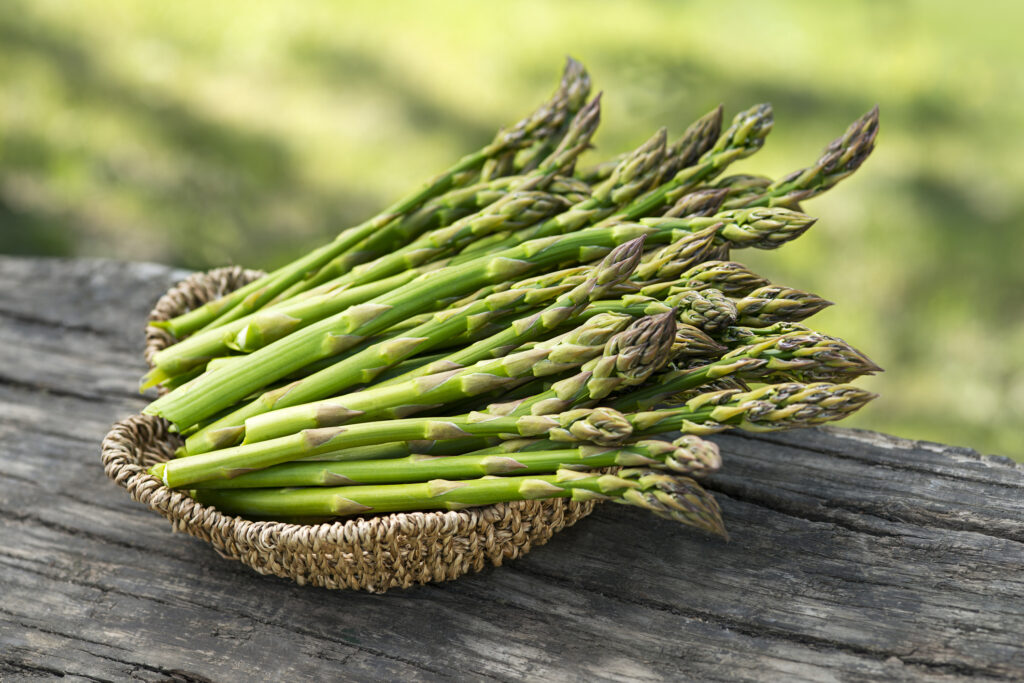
854 555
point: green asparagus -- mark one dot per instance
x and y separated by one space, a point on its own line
673 497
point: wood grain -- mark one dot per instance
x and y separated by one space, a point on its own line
854 555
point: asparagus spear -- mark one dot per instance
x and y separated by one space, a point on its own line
254 295
629 358
214 391
569 98
401 449
744 137
692 455
263 327
724 383
774 303
368 363
437 213
705 202
546 287
759 228
433 391
707 309
633 175
669 262
772 407
695 141
841 157
256 330
452 238
743 187
684 456
729 277
803 355
678 498
600 426
711 311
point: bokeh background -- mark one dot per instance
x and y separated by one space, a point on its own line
206 133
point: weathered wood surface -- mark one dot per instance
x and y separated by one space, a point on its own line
854 555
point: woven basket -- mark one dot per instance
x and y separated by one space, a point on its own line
366 553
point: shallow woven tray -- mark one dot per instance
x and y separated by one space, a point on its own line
366 553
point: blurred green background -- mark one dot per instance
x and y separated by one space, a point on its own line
202 133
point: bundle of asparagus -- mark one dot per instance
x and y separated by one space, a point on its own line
518 328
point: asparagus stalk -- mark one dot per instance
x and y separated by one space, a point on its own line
591 385
515 210
365 365
693 160
437 213
685 455
740 335
774 303
705 202
743 187
545 288
724 383
758 228
691 343
692 455
600 426
841 157
501 216
214 391
629 358
706 309
803 355
576 140
254 295
773 407
728 277
744 137
699 137
677 498
697 140
401 449
433 391
633 175
263 327
569 98
669 262
711 311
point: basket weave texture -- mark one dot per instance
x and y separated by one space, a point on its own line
373 553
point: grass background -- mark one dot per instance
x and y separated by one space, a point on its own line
200 134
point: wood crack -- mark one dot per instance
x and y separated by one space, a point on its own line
53 391
860 519
64 392
29 319
245 615
755 630
742 493
71 531
908 465
13 666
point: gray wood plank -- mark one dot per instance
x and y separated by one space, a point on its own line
854 555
